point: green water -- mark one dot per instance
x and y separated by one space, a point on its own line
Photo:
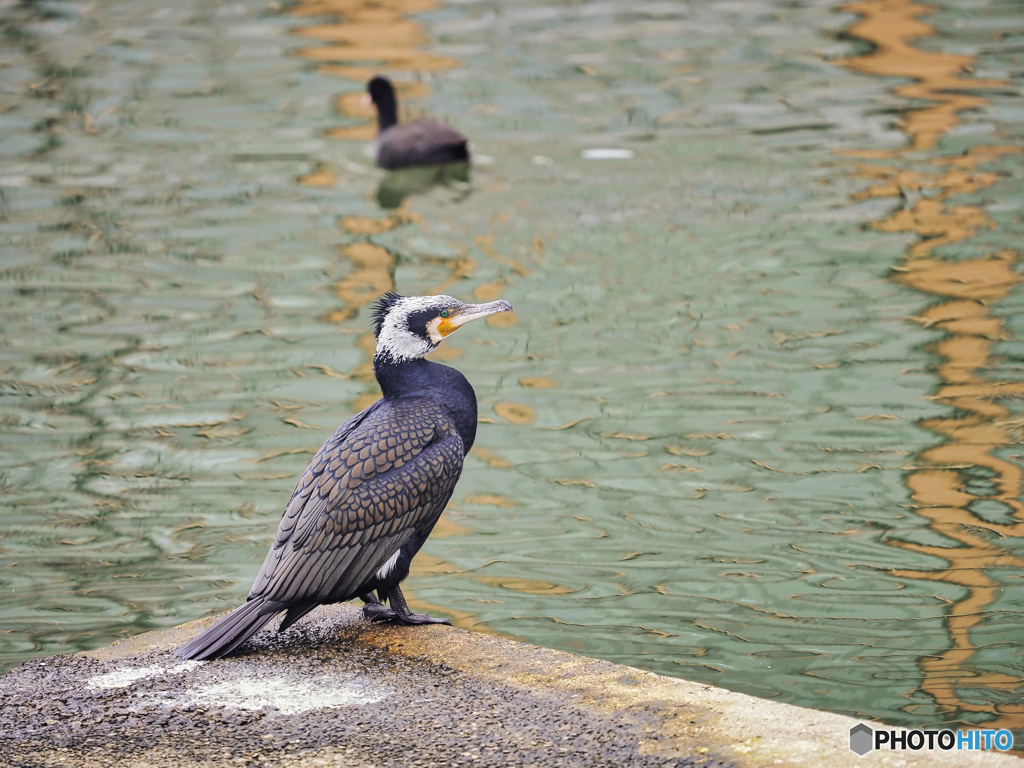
697 436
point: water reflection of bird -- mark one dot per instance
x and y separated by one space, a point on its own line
424 142
398 185
374 491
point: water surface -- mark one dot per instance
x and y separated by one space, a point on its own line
755 421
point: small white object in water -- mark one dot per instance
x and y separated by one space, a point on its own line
483 160
542 160
608 153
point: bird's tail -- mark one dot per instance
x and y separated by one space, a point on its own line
228 633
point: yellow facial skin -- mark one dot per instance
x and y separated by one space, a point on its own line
440 327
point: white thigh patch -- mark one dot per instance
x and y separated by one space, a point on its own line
389 566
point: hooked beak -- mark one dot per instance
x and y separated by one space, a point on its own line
472 312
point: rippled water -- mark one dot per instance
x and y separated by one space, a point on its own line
756 420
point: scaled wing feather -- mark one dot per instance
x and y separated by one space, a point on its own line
372 486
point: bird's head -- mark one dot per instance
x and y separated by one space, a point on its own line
411 327
381 94
380 90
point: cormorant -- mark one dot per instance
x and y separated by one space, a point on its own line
374 491
424 142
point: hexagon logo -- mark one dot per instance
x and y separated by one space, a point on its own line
862 739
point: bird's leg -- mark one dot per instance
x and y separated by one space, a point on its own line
398 613
375 610
404 616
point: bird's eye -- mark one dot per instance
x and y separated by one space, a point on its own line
445 313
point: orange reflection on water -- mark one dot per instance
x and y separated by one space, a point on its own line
891 25
980 425
370 36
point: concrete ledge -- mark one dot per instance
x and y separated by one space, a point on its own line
336 690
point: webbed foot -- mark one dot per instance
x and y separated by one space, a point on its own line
413 619
398 613
375 611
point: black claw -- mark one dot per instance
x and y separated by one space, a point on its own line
398 613
378 613
381 614
414 619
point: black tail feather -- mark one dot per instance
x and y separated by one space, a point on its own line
230 632
296 612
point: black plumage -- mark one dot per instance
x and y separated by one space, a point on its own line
423 142
373 492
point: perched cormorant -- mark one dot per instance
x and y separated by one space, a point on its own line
424 142
374 491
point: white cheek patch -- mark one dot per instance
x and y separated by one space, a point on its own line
433 332
396 341
400 344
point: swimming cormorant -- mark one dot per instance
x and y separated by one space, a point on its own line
374 491
424 142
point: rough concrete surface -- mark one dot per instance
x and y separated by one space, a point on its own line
336 690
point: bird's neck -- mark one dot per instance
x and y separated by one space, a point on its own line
444 385
387 112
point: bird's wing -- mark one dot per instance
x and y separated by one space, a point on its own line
368 490
423 142
426 133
